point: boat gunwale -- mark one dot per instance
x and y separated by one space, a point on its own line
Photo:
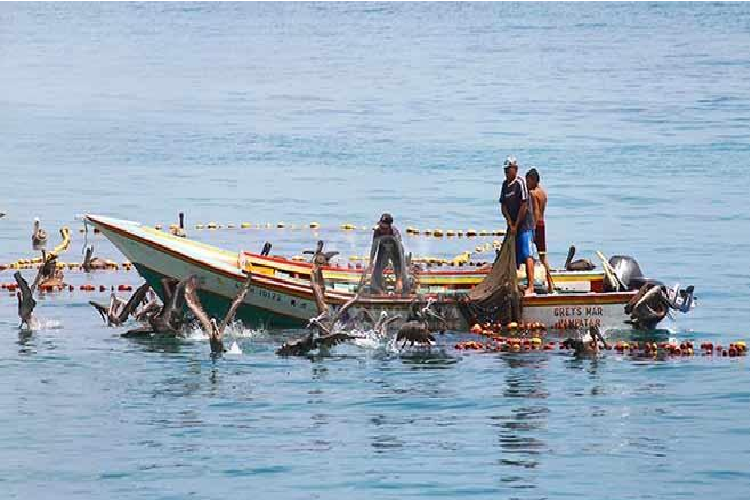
430 272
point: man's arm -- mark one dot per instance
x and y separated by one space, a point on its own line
503 208
521 215
524 204
506 214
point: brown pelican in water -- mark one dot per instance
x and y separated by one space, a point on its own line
118 310
416 328
170 318
49 276
39 236
151 307
26 302
648 306
215 331
588 345
322 334
90 263
380 327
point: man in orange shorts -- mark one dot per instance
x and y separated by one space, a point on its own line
540 203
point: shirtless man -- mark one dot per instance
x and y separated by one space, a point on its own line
540 203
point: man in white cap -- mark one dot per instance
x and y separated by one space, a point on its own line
517 208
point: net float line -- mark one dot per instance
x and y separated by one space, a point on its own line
35 263
639 349
346 226
86 287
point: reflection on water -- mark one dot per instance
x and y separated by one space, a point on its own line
521 428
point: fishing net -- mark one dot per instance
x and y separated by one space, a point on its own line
496 298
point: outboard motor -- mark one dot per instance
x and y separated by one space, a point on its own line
629 272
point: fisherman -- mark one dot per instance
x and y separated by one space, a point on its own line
540 204
518 210
386 249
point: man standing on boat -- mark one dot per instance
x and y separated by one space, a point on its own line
539 196
386 247
518 210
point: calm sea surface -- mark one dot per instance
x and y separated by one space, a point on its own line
637 116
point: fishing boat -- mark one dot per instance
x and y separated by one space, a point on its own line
281 295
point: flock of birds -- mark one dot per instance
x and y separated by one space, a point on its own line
181 308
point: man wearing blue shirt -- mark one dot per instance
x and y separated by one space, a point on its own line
516 205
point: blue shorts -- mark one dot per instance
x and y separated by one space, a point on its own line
524 245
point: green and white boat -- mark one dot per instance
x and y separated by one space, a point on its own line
281 295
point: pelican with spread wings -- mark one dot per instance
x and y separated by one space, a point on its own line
322 328
118 311
215 331
26 302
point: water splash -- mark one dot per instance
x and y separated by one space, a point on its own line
235 349
372 340
233 330
41 324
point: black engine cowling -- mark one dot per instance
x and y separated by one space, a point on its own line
629 272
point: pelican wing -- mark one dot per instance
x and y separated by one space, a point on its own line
390 320
297 347
236 303
168 285
367 316
151 309
27 293
135 300
328 341
102 310
194 304
344 308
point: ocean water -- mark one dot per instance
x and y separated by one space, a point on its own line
636 115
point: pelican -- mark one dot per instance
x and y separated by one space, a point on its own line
577 265
322 334
215 331
170 319
118 310
588 345
151 308
39 236
90 263
49 275
416 329
26 302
